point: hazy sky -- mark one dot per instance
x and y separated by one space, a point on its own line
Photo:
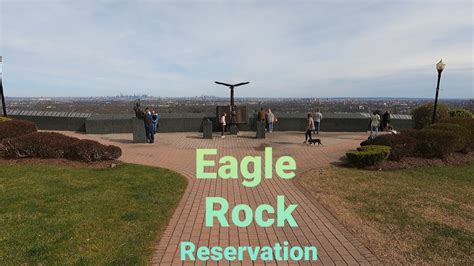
284 48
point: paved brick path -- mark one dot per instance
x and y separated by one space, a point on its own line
316 226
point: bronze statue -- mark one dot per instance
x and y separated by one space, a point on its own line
138 112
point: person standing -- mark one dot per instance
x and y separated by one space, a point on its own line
222 124
318 117
374 124
150 136
386 121
270 117
309 128
154 117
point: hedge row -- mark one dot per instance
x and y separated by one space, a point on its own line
462 138
434 141
467 123
422 115
16 128
368 155
90 151
55 145
401 145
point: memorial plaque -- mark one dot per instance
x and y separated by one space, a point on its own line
207 129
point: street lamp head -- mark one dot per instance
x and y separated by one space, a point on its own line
440 66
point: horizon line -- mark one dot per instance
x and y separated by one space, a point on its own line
137 97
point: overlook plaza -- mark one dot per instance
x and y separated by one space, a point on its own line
316 226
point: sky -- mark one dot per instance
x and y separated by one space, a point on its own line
284 48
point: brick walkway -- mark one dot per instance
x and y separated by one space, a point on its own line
316 226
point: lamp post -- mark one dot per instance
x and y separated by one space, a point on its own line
1 88
440 67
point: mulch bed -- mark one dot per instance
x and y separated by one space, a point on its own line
455 159
60 162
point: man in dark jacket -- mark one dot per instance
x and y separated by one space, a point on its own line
386 121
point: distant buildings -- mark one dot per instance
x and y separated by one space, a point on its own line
123 104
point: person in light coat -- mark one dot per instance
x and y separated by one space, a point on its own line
222 123
374 124
270 117
309 128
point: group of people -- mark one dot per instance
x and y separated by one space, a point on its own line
313 124
263 116
152 119
379 122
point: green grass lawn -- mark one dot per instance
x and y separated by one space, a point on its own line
61 215
423 215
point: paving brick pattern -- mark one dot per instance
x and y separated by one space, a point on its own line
316 226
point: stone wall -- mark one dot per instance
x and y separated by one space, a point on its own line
192 122
53 120
338 122
105 124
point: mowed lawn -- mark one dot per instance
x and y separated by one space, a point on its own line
423 215
61 215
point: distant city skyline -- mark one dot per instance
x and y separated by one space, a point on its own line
316 49
226 98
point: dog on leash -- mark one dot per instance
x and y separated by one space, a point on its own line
315 141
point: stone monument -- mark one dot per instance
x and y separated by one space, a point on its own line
237 114
207 129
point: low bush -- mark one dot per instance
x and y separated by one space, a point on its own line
91 151
410 132
401 145
466 122
423 114
433 143
368 155
36 145
462 121
16 128
463 135
55 145
460 113
382 148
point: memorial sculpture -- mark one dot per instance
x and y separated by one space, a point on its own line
138 124
237 114
138 112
